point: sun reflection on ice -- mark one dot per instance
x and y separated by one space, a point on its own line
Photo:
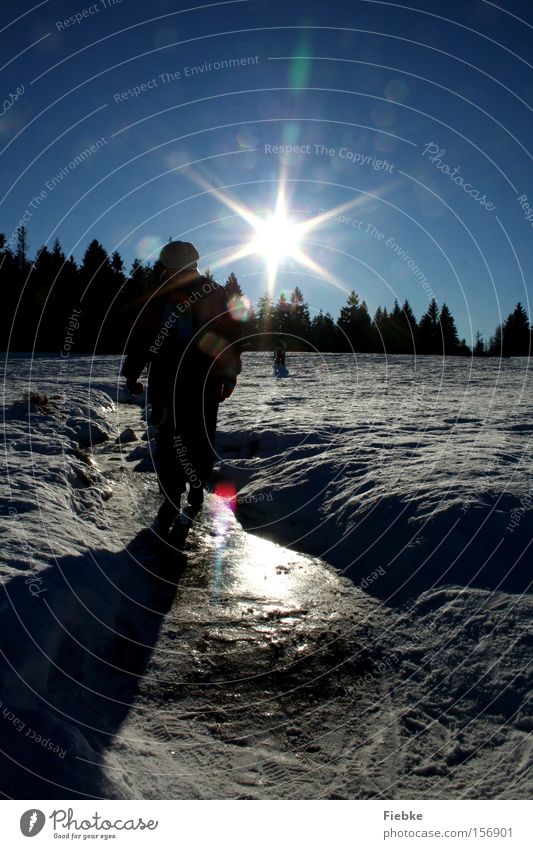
224 504
247 566
269 570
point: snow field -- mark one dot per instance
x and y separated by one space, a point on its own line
267 674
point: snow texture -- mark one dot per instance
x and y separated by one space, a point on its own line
382 651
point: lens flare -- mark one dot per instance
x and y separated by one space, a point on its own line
397 90
228 493
239 307
212 344
223 507
284 298
148 248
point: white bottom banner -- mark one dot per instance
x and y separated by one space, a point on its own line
269 824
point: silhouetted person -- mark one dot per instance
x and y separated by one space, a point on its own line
187 336
279 354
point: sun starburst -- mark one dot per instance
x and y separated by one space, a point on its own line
275 236
276 239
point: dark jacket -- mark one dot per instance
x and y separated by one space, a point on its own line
185 342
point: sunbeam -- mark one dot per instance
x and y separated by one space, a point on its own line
275 236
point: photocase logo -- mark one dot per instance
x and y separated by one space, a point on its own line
32 822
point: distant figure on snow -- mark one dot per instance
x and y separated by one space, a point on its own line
279 354
187 336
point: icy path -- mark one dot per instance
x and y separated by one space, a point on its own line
273 677
261 657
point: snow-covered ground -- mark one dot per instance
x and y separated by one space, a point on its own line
385 653
371 462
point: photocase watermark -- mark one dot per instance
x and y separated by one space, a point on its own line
72 325
379 669
251 498
355 223
187 466
32 822
180 308
467 502
435 155
19 725
517 514
364 160
222 65
79 159
38 199
374 232
95 826
34 583
429 627
65 819
188 71
374 576
82 15
11 99
27 215
403 255
35 586
526 208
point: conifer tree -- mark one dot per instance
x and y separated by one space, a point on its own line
479 347
98 283
264 322
324 333
298 322
11 290
232 287
42 295
495 344
411 328
21 252
355 323
280 314
429 335
395 330
516 338
450 339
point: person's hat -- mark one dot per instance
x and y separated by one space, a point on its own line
179 255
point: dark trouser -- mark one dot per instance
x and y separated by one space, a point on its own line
186 425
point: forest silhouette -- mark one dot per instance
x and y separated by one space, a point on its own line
52 303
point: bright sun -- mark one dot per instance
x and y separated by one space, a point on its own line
276 238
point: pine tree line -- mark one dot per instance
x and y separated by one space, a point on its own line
394 332
40 298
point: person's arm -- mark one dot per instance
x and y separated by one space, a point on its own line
137 352
132 368
231 366
230 331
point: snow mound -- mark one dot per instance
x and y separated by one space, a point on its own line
419 468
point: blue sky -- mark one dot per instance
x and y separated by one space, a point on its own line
389 107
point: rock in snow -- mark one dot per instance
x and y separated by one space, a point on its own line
87 432
127 435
